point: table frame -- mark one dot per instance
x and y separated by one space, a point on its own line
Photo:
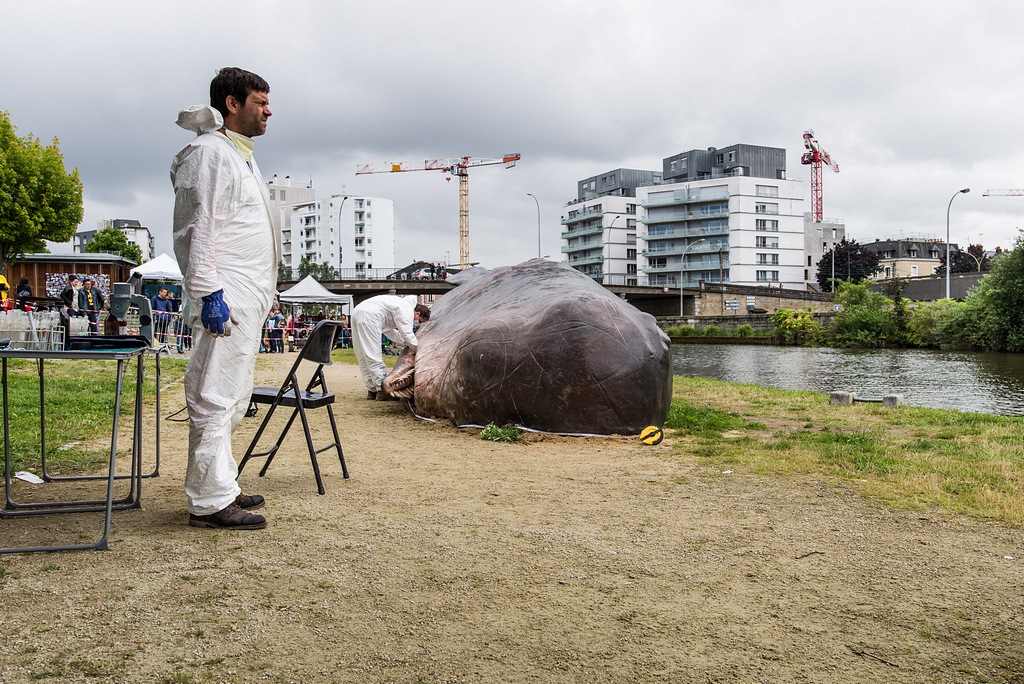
135 476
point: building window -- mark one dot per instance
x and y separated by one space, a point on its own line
768 259
767 276
809 264
913 271
766 242
766 208
806 274
768 224
282 195
271 193
913 253
631 269
767 191
631 254
659 262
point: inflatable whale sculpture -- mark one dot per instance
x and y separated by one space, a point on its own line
539 345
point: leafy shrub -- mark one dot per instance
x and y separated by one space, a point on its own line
680 331
711 330
745 330
509 433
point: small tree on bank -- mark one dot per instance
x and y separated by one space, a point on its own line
110 240
39 199
852 263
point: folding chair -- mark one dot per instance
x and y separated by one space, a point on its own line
316 349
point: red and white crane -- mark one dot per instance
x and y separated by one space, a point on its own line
455 167
815 156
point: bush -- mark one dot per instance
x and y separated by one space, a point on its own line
745 330
680 331
711 330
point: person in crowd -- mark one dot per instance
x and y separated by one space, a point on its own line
227 249
275 330
91 302
161 314
388 315
23 292
69 295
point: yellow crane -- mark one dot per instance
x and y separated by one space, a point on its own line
458 167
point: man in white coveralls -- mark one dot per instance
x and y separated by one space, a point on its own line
389 315
226 248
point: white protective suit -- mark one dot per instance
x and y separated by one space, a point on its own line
389 315
223 239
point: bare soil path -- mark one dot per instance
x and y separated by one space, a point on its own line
446 558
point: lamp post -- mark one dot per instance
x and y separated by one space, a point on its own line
682 265
948 206
833 281
535 201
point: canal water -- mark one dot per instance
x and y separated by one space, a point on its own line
965 381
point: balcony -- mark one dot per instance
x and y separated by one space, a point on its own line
582 246
685 198
684 216
595 229
584 261
581 216
685 232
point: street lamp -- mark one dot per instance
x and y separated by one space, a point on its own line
682 265
530 194
948 206
833 281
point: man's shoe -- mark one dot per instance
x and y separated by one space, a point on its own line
249 502
230 518
371 395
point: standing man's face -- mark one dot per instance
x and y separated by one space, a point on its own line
250 117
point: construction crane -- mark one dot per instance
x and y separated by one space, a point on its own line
1003 193
815 156
455 167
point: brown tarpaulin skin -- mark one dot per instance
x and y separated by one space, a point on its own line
543 346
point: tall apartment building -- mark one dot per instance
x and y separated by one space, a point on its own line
601 226
724 215
134 232
345 231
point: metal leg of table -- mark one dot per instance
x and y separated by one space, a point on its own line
107 506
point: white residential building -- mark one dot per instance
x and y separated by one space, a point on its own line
600 226
345 231
732 229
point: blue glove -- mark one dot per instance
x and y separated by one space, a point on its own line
215 314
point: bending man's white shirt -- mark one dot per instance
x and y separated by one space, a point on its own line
388 315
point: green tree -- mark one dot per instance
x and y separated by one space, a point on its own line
971 260
865 318
39 199
110 240
853 263
322 271
996 303
901 334
798 326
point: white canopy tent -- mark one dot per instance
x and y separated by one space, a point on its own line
309 291
163 267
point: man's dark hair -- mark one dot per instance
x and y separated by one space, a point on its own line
236 82
423 311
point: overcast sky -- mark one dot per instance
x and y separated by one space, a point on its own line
914 100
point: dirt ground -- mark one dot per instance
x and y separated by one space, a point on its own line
446 558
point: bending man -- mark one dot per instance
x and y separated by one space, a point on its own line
389 315
227 250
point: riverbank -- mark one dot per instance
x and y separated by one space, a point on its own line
450 559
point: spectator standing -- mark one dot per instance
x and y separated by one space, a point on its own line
69 295
90 300
275 326
23 291
161 315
